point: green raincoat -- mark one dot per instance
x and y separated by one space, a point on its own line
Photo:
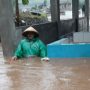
28 48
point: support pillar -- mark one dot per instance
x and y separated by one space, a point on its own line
55 12
75 6
87 13
7 28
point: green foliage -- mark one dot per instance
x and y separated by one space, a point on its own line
30 15
25 2
30 19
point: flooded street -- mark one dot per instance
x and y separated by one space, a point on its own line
33 74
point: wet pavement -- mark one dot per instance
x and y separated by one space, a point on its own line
34 74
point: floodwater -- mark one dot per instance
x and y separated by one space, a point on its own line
34 74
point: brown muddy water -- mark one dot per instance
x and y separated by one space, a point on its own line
34 74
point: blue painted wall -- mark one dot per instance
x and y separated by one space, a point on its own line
68 50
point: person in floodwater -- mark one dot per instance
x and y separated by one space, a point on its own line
31 46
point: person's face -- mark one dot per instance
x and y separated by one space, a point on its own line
30 35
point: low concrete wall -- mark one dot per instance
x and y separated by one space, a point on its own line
68 50
48 32
81 37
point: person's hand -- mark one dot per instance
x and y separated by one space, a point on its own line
14 58
45 59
